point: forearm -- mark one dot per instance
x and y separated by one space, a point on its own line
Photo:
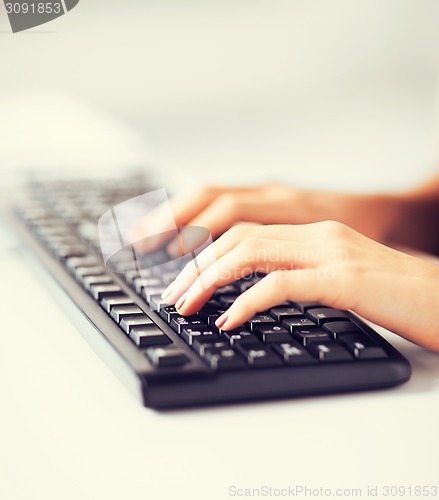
416 223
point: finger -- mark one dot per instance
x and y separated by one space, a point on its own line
228 209
273 289
252 255
305 250
184 208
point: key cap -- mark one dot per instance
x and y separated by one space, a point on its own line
148 336
64 251
322 315
260 356
89 281
166 358
329 351
223 358
227 300
81 272
304 306
190 334
210 314
339 328
237 336
151 292
306 336
362 346
168 312
120 312
281 313
101 291
258 319
108 302
293 353
272 333
297 322
201 344
130 276
180 322
142 283
156 303
227 289
130 322
75 262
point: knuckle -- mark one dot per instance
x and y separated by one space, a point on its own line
251 243
333 230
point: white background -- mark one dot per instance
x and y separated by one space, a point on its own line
337 95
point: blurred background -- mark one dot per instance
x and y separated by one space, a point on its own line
338 94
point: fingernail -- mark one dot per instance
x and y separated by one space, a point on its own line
168 290
181 301
221 320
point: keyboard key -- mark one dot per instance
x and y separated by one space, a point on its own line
281 313
153 291
329 351
180 322
148 336
65 251
167 358
156 303
304 306
322 315
361 346
200 345
306 336
297 322
190 334
259 319
339 328
227 300
293 353
223 358
130 322
101 291
167 313
209 314
108 302
141 283
81 272
88 281
75 262
120 312
259 356
272 333
238 336
227 290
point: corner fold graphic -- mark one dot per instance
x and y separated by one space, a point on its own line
24 15
70 4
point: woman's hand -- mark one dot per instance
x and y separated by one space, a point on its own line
326 262
217 208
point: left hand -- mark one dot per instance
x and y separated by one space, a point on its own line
327 262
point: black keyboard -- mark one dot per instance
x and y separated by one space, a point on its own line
168 360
